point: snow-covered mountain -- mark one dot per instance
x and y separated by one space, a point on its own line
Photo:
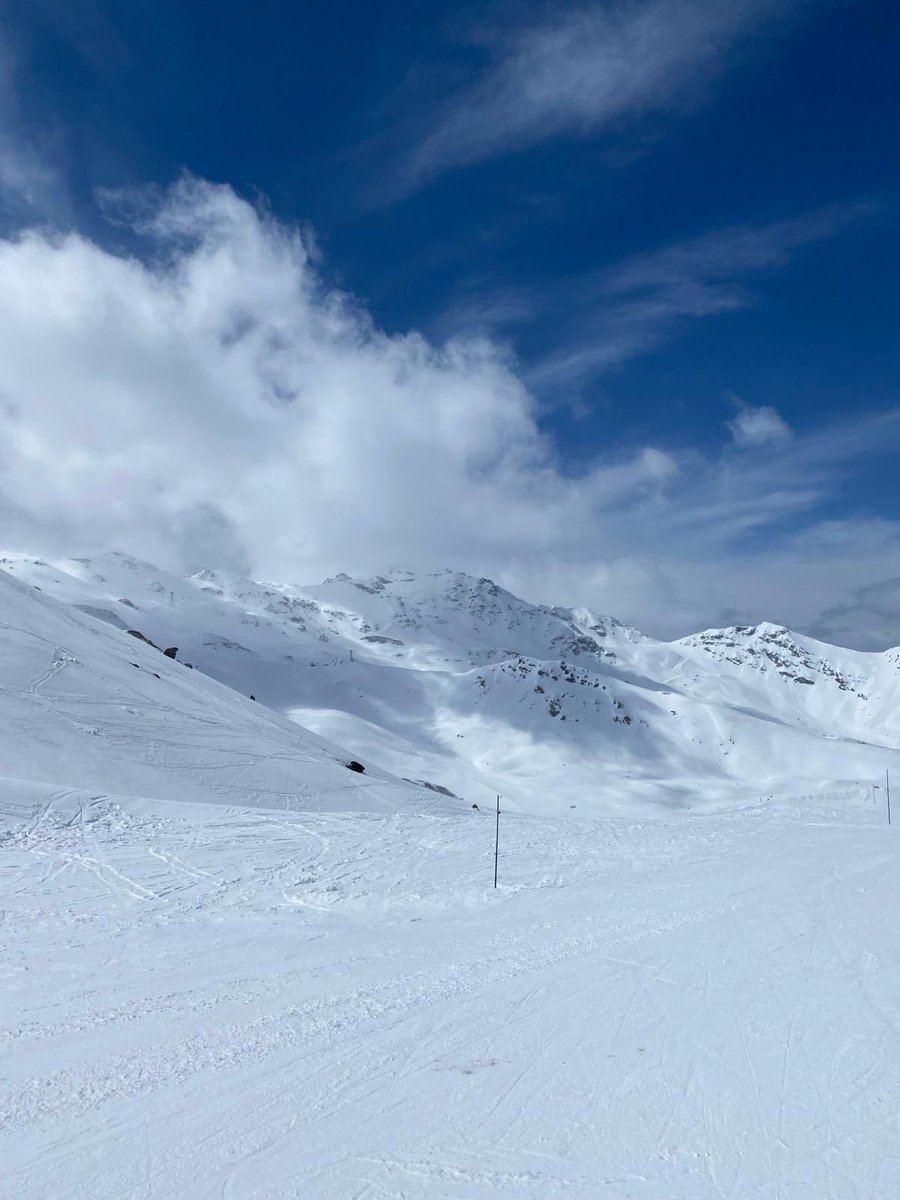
234 967
452 682
86 708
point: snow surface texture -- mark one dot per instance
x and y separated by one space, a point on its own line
233 968
207 1002
456 683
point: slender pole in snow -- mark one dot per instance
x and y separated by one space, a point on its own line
497 842
887 786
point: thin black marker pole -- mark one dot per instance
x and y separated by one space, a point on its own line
887 785
497 842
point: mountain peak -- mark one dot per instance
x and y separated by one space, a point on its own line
447 676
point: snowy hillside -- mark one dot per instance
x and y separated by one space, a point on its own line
234 968
85 706
452 681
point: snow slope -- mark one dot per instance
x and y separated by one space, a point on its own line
85 706
232 969
451 680
204 1002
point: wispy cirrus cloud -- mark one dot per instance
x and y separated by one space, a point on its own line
726 503
632 306
584 70
31 185
739 538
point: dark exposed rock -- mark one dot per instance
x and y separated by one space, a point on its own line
353 765
136 633
224 643
170 651
776 650
434 787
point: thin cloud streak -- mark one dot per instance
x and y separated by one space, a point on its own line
31 183
586 70
636 304
762 488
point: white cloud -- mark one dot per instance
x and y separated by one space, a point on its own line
635 304
216 404
762 426
218 394
587 68
867 616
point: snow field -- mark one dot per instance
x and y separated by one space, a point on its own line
231 968
206 1001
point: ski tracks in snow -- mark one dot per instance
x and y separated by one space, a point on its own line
267 1005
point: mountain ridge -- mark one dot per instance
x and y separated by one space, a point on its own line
86 709
447 677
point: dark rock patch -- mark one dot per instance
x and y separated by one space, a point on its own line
436 787
136 633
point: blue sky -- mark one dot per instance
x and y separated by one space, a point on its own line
673 224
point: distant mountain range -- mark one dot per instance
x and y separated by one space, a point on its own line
459 689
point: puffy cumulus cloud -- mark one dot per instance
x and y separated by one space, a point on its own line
762 426
214 401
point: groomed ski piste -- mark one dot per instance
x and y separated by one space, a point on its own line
231 967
